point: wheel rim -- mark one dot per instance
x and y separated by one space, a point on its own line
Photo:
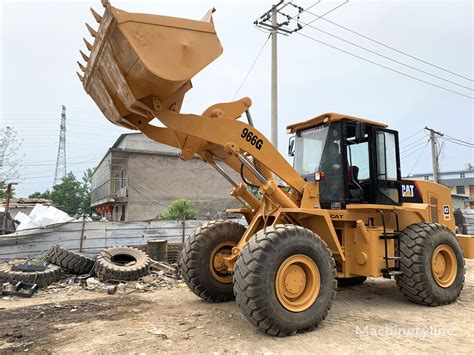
216 262
297 283
444 266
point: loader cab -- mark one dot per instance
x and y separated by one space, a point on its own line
354 160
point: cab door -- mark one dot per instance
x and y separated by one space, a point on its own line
387 167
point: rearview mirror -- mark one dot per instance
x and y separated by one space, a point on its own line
291 146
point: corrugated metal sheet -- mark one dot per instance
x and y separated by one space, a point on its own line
97 235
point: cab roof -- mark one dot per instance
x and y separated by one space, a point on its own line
330 117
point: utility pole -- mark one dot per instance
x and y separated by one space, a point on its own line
8 195
61 158
434 153
269 22
274 111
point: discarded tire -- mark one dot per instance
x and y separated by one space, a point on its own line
285 280
69 260
351 281
121 264
202 260
174 252
432 264
41 278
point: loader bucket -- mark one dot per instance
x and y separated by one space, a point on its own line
141 62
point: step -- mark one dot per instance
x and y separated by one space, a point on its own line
390 235
392 257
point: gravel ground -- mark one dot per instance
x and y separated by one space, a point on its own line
373 317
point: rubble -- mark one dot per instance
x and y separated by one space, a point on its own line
158 276
152 282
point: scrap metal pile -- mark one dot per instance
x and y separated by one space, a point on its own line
114 269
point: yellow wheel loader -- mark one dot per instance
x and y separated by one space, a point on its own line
342 213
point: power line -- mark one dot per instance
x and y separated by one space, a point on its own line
383 66
417 145
408 153
392 48
419 156
458 140
389 58
321 16
414 134
461 144
251 67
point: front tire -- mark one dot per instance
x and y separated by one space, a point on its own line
432 264
201 260
285 280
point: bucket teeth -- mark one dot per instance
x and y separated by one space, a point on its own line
91 30
88 45
86 58
97 17
81 78
83 68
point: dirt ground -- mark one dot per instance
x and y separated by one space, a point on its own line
374 317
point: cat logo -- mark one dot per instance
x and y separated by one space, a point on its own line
446 212
407 190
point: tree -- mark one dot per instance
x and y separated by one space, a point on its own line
179 209
9 160
71 195
67 195
45 195
86 193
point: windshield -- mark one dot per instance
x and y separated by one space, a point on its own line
309 145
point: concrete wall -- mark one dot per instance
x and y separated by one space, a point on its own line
154 181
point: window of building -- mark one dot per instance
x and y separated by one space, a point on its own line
460 190
463 175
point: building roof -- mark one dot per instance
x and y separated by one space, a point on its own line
137 142
465 170
457 181
27 202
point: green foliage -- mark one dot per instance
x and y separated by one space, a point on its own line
46 195
179 209
3 190
71 195
67 195
86 193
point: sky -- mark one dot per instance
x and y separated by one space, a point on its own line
40 42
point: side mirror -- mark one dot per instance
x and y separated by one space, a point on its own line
359 132
291 146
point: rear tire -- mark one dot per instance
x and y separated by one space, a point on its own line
432 264
288 304
201 260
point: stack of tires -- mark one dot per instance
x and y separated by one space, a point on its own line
113 264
